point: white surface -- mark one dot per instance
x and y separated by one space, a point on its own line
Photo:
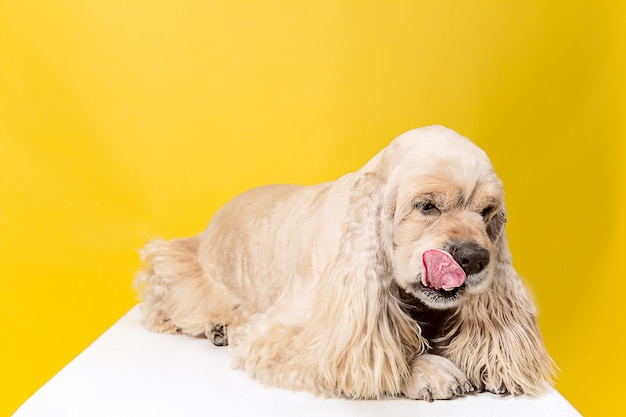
130 371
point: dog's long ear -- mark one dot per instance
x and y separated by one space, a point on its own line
358 338
493 335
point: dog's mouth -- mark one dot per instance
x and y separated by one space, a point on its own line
438 297
441 281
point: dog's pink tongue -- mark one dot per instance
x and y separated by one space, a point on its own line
441 270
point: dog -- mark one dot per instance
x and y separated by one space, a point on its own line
395 280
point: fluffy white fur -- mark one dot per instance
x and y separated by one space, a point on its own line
319 287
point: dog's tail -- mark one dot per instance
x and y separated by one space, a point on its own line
170 285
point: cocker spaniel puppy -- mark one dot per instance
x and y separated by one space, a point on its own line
393 280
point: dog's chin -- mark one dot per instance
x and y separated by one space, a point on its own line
442 299
438 299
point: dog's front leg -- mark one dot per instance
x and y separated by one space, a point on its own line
434 377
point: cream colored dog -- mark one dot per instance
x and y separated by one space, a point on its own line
393 280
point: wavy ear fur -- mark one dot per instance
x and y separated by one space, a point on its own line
359 338
493 336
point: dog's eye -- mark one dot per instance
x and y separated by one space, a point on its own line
427 208
487 211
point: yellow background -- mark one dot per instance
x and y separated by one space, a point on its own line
121 120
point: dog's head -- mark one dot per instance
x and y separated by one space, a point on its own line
446 211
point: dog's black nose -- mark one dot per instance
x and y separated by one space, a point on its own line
472 257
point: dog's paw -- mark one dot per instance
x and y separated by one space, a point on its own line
159 322
434 377
499 388
218 335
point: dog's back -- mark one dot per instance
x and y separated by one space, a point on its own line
249 257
